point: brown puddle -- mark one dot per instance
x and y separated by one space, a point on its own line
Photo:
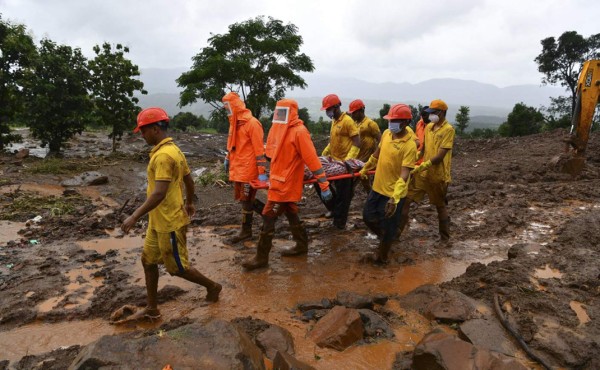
10 231
267 294
581 312
547 273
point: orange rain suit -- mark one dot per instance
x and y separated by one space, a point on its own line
420 132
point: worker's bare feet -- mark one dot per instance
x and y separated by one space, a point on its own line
130 313
212 294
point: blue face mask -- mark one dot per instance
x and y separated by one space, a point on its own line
329 113
394 127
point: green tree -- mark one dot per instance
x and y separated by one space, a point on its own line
462 119
558 114
17 54
304 115
56 94
381 122
523 120
113 85
561 60
184 120
257 58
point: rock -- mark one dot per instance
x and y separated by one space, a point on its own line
22 153
440 350
419 298
380 299
275 339
285 361
70 192
354 300
374 325
488 334
315 305
338 329
313 315
89 178
451 306
216 345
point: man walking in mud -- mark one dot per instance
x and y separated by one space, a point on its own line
344 144
245 159
289 146
393 160
432 177
169 215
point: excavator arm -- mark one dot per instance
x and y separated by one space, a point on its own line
588 95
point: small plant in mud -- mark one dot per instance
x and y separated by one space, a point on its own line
213 176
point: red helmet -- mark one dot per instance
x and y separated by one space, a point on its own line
149 116
399 111
329 101
355 105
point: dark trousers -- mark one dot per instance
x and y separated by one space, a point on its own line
343 192
374 216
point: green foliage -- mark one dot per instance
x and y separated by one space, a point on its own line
266 122
558 114
483 133
258 58
55 166
57 100
17 54
25 206
523 120
184 121
561 60
112 86
212 177
462 119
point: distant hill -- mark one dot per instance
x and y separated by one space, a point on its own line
489 104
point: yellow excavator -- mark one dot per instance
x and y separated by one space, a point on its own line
588 95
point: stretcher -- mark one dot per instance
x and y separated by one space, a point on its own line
265 184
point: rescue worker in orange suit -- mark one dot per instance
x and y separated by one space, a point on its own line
245 159
393 160
420 131
344 144
369 134
169 215
290 147
432 177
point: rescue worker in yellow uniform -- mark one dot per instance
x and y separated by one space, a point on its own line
369 134
344 144
290 147
245 159
420 131
432 177
393 160
169 215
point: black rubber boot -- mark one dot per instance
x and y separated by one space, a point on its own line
301 237
444 230
246 231
381 256
265 243
402 226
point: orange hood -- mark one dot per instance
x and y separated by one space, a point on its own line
236 111
285 116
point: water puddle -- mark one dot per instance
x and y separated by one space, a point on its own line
581 312
10 231
547 273
122 244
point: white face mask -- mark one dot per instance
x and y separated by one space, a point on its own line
394 127
434 118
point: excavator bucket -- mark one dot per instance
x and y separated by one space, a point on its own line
588 93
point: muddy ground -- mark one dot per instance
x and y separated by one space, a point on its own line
62 276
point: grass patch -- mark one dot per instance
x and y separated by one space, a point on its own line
55 166
24 206
209 178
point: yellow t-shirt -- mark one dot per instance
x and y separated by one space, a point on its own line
368 131
442 138
342 129
167 163
393 155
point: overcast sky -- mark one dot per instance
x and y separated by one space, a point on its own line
397 41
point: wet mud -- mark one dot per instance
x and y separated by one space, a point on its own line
520 230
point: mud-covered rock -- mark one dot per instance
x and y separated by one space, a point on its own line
354 300
216 345
314 305
22 153
285 361
487 334
440 350
375 326
57 359
275 339
89 178
339 329
451 306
